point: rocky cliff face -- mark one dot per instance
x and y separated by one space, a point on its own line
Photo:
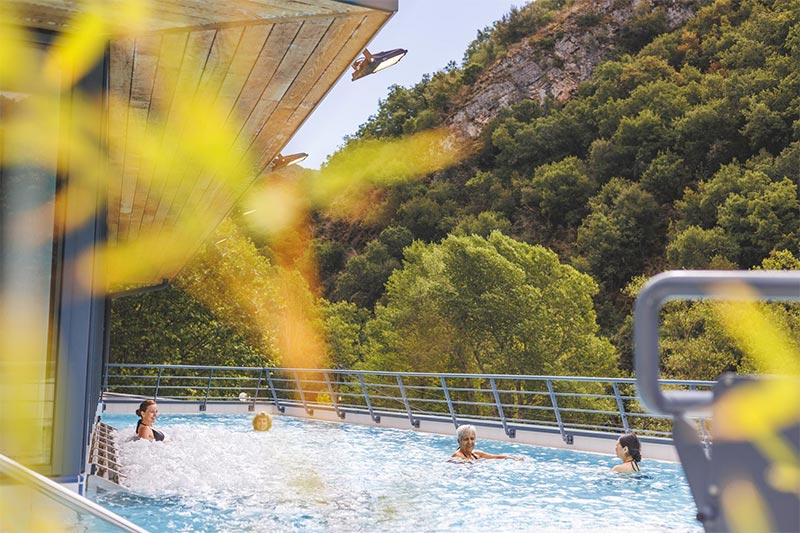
558 58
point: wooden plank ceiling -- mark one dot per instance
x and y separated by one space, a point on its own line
263 64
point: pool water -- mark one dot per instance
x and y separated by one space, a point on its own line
216 474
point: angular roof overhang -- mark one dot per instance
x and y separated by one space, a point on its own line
263 65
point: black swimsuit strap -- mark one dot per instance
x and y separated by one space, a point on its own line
472 454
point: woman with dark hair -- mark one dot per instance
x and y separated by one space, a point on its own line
148 412
629 450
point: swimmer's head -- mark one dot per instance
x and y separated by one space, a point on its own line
262 422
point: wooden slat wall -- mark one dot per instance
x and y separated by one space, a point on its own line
145 63
325 62
233 83
265 78
328 64
121 61
164 15
217 85
309 36
193 63
150 187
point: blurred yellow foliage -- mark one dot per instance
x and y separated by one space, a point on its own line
761 410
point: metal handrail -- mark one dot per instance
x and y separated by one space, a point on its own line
693 285
564 404
62 495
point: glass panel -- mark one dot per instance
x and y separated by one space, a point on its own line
28 163
28 509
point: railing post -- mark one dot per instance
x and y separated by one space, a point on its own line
414 421
621 408
278 405
449 401
252 406
334 400
302 394
208 389
375 418
510 432
564 435
158 382
105 377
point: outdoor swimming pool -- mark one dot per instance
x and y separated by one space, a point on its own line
217 474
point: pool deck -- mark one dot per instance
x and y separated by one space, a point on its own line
593 442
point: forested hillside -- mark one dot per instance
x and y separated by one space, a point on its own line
676 145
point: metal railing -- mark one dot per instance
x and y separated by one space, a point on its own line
62 496
564 404
103 454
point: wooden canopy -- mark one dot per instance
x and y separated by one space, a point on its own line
266 64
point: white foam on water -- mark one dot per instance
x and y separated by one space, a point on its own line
217 474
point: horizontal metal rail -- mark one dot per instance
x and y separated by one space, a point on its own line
565 404
63 496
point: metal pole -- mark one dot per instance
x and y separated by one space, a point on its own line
449 401
252 406
621 407
158 382
105 377
375 418
414 421
692 285
564 435
278 405
302 394
334 400
208 389
511 432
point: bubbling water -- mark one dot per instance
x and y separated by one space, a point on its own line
214 473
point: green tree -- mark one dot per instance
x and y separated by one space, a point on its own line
765 128
364 275
484 224
763 220
560 190
623 230
756 213
171 327
489 305
697 249
708 134
345 328
240 286
638 140
666 177
696 346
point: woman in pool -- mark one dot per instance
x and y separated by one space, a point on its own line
466 435
629 450
262 422
148 412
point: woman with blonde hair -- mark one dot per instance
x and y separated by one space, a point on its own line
262 422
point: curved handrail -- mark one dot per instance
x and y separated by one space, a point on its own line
62 495
692 285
